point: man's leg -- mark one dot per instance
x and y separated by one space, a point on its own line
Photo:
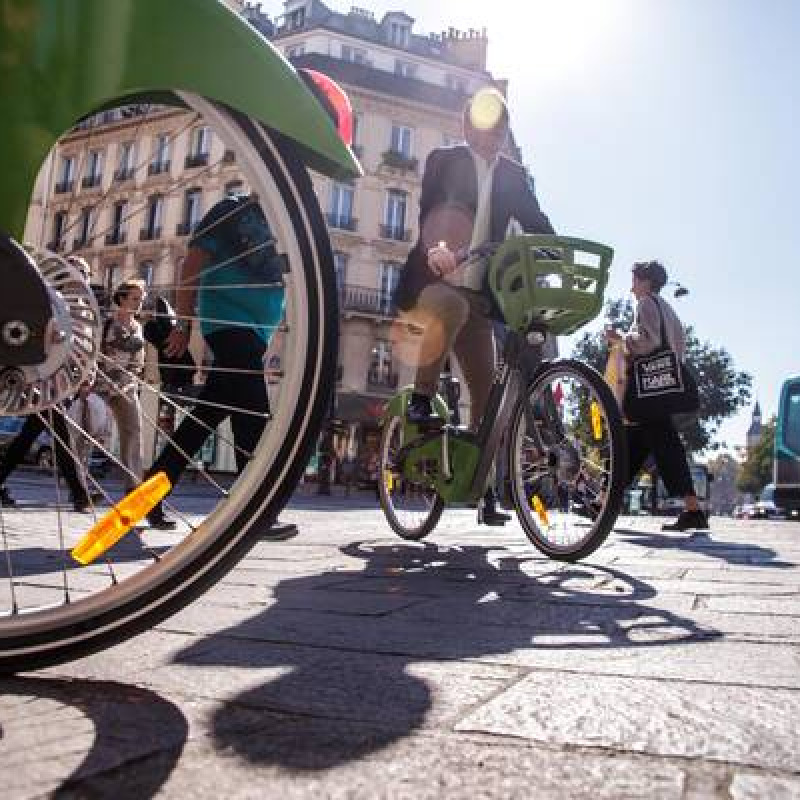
129 426
66 460
16 452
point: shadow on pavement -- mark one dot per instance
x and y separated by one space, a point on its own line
702 542
128 724
354 679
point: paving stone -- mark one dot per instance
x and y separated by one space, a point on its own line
759 787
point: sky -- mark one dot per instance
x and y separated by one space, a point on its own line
666 129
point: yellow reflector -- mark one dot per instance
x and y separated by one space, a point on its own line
113 526
538 507
388 480
597 420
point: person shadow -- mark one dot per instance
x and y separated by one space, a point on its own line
354 649
121 725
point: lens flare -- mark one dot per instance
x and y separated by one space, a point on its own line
486 109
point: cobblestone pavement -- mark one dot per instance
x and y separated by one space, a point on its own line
348 663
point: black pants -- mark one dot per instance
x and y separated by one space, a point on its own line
22 442
661 440
237 349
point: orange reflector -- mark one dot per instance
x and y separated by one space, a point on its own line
107 531
538 507
597 420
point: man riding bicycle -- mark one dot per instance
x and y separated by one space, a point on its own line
470 195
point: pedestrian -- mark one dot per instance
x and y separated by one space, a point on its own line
348 472
176 373
658 437
119 373
471 193
91 418
232 281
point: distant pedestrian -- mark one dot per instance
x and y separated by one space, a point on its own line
159 319
658 437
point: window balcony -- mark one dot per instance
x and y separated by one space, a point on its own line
196 160
92 181
396 232
148 234
400 161
116 238
341 222
184 228
158 168
381 380
62 187
124 174
366 300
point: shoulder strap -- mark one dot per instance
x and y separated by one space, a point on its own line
663 327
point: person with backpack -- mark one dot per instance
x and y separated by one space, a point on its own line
232 282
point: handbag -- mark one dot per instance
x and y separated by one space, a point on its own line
659 384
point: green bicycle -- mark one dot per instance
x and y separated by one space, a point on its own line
566 454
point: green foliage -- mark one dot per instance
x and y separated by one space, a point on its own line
722 389
756 471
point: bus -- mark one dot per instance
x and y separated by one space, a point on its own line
786 464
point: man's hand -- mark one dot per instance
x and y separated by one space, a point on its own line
177 342
441 259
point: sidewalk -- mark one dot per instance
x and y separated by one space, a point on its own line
349 663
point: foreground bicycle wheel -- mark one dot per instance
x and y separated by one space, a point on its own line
52 609
412 510
567 460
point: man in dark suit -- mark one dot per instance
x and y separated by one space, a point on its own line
470 195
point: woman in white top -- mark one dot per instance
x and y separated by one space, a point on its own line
658 437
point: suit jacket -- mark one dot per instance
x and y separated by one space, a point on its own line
450 179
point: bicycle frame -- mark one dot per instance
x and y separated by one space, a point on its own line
64 59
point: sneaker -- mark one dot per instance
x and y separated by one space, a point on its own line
6 499
489 514
688 520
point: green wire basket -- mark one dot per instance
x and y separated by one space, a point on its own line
548 282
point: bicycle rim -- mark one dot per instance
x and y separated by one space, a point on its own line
567 460
51 609
412 510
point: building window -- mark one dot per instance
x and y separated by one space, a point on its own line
114 274
84 228
341 213
59 224
296 19
199 148
160 162
358 123
234 187
399 34
146 271
192 211
456 83
355 54
394 226
380 369
125 164
401 140
66 174
405 68
340 268
155 215
94 169
118 223
389 276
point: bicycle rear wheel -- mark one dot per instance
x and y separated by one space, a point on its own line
52 609
567 460
412 510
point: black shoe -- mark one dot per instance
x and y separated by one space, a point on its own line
488 513
688 520
6 499
419 412
161 522
279 531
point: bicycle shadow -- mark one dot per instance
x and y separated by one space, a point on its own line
355 682
703 543
128 724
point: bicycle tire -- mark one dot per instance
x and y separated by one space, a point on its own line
535 470
82 625
415 523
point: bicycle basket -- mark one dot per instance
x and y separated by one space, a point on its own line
549 282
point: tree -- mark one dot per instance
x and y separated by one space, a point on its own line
722 389
756 471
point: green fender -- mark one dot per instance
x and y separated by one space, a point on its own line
63 59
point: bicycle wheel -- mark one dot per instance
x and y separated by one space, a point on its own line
51 608
567 460
412 510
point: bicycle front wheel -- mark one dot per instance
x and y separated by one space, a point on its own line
567 460
412 510
173 161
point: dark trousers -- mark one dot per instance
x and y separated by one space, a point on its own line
237 349
661 440
22 442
